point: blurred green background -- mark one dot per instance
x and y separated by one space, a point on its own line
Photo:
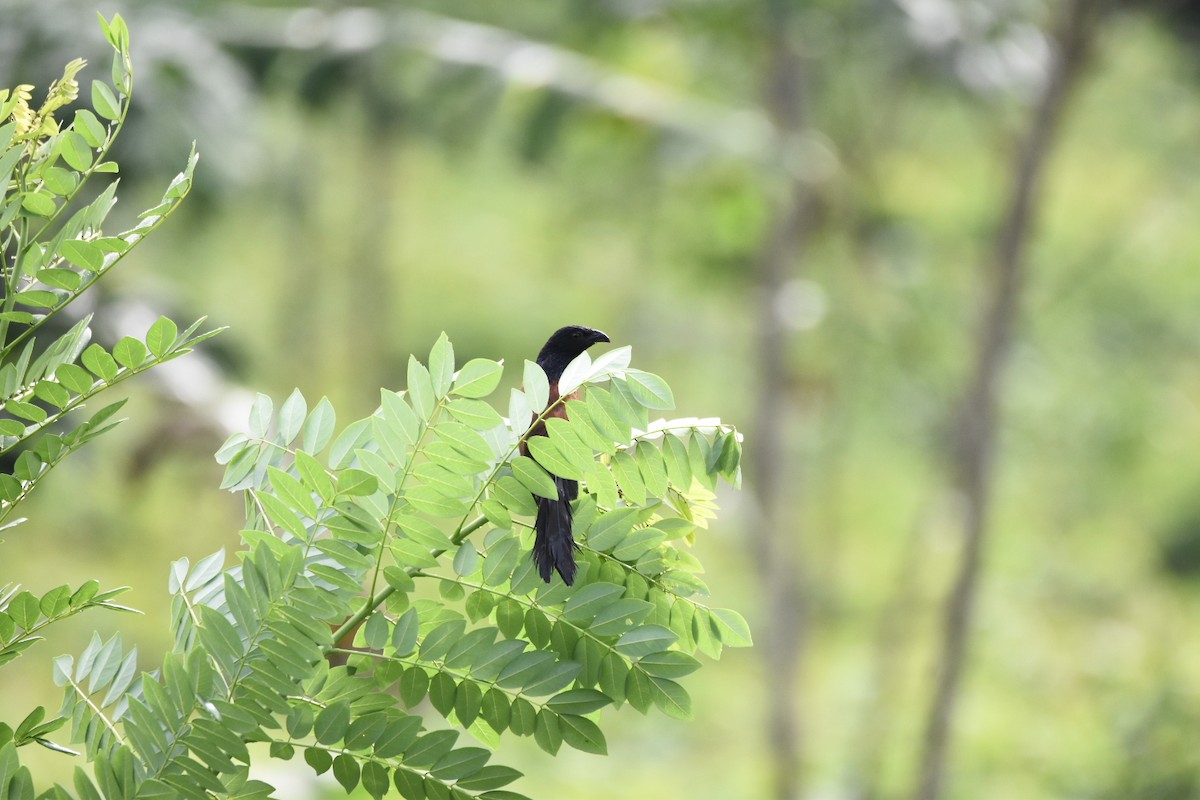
698 178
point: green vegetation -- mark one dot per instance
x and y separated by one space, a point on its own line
353 203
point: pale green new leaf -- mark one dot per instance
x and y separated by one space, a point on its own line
478 378
730 628
441 366
536 387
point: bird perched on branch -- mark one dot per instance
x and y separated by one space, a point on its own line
554 544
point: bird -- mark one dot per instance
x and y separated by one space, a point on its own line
553 542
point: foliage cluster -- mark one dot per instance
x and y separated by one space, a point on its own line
384 568
54 250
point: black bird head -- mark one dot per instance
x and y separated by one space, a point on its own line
566 343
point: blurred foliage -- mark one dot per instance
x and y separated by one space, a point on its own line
340 161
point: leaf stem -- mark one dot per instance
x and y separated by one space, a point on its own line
12 278
377 600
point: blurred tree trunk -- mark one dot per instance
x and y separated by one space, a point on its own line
777 533
974 456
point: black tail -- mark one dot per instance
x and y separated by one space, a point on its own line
553 544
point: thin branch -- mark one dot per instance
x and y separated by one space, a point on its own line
517 60
377 600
